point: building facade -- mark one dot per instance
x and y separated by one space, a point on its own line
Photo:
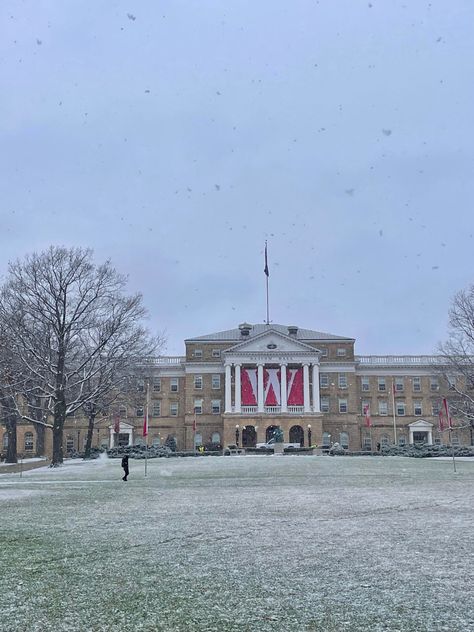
236 386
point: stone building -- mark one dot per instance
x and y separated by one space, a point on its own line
239 384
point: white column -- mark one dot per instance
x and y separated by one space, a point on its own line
111 442
316 401
283 389
260 398
410 436
238 391
306 408
228 388
430 437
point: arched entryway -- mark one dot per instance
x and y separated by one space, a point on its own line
297 435
269 433
249 437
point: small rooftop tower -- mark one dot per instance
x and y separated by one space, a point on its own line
292 330
245 329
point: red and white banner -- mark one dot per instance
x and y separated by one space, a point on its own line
272 387
294 379
249 387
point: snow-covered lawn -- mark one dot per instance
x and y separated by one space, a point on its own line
258 543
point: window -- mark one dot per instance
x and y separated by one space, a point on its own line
324 404
342 380
400 408
399 384
156 409
384 440
341 352
5 440
216 381
197 353
28 441
437 441
216 353
198 406
197 439
367 444
174 384
344 440
324 352
451 382
455 440
140 411
156 384
69 444
156 440
216 406
382 384
198 382
216 438
417 407
383 407
323 380
140 386
435 406
402 441
343 405
365 405
416 384
122 411
434 384
326 440
173 409
365 383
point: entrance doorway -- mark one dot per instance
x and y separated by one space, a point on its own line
123 439
269 433
420 437
297 435
249 437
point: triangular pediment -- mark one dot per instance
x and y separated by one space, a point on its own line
421 423
271 341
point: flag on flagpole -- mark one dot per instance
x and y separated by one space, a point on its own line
145 422
441 420
448 416
368 421
266 261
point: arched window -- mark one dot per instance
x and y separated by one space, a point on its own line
344 440
216 438
367 444
28 441
326 440
297 435
197 439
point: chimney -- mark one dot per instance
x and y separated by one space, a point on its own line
245 329
292 330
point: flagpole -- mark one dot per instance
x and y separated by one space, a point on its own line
146 426
450 429
267 274
393 411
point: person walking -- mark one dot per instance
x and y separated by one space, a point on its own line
125 467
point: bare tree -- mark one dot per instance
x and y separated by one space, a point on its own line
73 332
458 357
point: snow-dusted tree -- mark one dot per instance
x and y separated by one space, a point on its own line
458 357
73 331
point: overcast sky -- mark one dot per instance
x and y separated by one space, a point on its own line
175 136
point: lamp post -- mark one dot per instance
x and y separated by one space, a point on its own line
256 435
237 433
309 435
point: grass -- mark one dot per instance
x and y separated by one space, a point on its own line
239 544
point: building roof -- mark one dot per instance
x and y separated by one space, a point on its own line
232 335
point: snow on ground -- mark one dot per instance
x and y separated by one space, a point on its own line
261 543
